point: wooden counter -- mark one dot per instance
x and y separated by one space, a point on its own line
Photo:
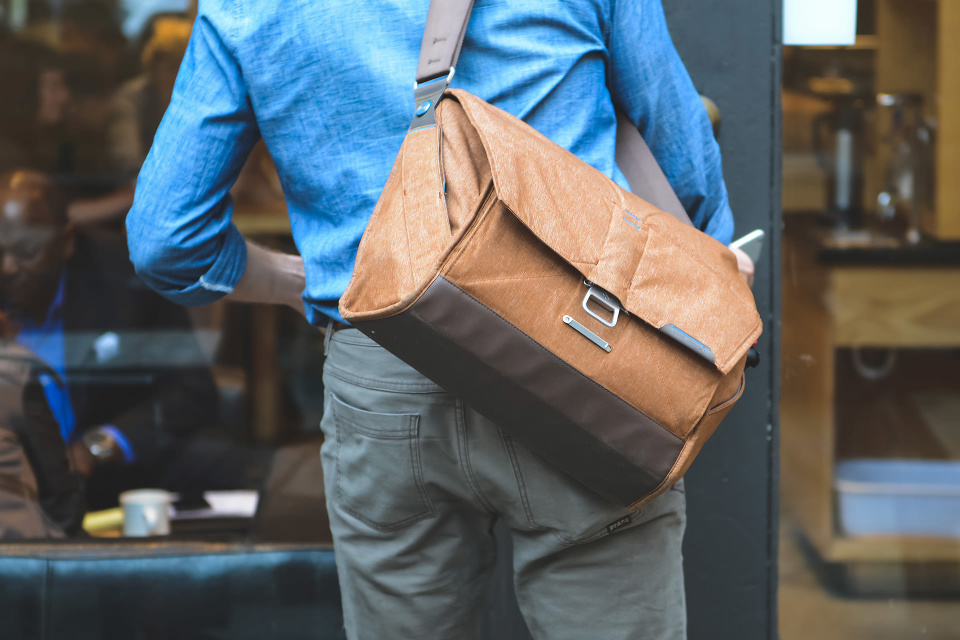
831 303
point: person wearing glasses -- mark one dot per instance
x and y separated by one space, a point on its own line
128 384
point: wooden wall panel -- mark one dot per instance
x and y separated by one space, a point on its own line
947 225
907 47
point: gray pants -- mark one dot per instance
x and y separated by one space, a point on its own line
415 481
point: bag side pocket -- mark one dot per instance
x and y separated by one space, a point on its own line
726 404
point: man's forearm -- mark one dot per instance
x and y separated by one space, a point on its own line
113 205
271 277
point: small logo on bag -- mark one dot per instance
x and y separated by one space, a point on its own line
636 221
622 522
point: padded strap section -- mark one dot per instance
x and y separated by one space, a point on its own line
446 23
645 176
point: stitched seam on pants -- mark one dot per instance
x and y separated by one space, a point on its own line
415 453
521 485
381 385
354 341
514 461
464 455
375 434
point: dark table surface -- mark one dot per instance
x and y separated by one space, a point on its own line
870 246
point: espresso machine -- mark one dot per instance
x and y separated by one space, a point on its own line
908 148
839 148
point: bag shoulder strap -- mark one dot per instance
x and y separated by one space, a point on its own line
642 171
442 39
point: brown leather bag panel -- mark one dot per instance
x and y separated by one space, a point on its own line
708 425
600 229
463 164
426 223
408 233
524 282
383 276
565 201
681 265
661 302
489 363
485 226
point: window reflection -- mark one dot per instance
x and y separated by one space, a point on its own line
870 401
105 386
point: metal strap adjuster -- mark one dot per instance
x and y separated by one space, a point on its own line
426 95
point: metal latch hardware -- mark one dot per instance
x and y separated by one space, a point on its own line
586 333
603 299
426 96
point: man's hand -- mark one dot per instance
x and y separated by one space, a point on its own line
745 264
84 462
271 277
81 460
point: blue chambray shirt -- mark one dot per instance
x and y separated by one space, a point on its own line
329 87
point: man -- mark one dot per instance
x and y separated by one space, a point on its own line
51 122
34 112
131 388
139 104
415 479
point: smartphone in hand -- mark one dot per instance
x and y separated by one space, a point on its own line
751 244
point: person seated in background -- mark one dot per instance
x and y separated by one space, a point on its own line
35 106
139 104
137 392
40 497
53 120
92 28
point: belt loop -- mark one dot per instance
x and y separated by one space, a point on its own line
326 338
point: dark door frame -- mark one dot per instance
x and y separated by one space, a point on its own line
732 50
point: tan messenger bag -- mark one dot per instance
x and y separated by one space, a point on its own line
604 334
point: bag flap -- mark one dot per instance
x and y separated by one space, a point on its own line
671 275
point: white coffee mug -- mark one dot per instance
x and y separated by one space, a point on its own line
146 512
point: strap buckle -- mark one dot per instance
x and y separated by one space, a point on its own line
426 95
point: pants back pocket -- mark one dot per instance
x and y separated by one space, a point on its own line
378 475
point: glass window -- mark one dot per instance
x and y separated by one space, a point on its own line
106 387
870 413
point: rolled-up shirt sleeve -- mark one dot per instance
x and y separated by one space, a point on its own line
182 242
649 82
